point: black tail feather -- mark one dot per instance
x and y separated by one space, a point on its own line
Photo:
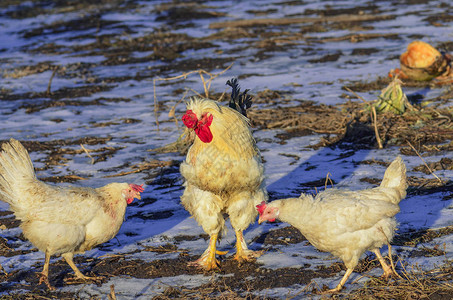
239 101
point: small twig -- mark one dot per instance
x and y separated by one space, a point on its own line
355 94
86 151
206 92
172 110
439 228
112 295
328 179
3 270
50 80
143 166
376 132
221 96
196 93
206 84
429 169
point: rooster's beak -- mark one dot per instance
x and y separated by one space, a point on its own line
260 221
138 197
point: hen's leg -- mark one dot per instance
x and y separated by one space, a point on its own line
342 282
388 271
208 261
44 275
242 252
69 259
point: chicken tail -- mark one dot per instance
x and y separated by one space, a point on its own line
15 166
239 101
395 178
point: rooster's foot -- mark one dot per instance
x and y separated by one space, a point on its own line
43 278
208 261
248 255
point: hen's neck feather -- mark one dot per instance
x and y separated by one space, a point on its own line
295 211
113 194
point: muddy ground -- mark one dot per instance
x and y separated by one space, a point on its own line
348 126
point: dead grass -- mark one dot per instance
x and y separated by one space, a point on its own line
421 236
213 290
352 122
413 284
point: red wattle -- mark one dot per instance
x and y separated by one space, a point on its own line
204 133
202 128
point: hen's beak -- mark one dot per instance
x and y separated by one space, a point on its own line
138 196
260 220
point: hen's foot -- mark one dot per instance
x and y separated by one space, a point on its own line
44 279
332 291
340 286
208 261
84 279
389 273
247 255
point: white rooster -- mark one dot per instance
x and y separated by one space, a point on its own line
223 172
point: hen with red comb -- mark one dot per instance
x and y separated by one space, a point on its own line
61 220
343 222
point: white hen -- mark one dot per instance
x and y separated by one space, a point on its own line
60 220
343 222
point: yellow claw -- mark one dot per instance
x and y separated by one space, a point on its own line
207 260
243 254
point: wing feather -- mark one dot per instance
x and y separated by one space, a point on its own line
355 210
64 205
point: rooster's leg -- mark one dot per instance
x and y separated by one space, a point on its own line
242 252
44 275
341 284
69 259
388 271
208 261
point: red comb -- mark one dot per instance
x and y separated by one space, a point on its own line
137 188
190 119
261 207
201 126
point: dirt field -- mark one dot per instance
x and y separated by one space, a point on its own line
347 125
